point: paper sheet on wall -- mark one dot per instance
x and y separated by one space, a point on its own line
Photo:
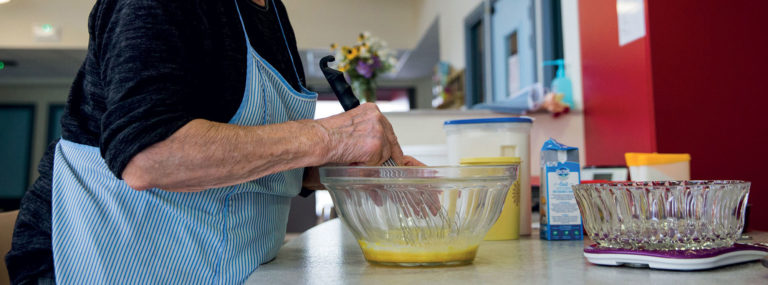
631 14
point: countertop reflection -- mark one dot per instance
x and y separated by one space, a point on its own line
329 254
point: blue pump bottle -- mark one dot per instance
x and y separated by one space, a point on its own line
561 84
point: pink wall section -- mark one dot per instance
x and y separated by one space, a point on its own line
618 106
694 84
710 62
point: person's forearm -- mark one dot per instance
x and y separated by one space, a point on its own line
205 154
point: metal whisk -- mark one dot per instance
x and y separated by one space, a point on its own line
343 91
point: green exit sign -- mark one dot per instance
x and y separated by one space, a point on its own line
2 64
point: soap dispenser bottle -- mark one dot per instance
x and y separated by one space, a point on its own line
562 84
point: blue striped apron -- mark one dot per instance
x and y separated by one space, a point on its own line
104 232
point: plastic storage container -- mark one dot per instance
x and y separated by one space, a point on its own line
495 137
507 227
658 166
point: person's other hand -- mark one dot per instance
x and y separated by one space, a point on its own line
360 136
426 200
420 202
411 161
407 161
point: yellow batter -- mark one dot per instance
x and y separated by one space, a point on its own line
432 254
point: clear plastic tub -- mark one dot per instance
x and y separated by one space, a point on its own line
658 166
495 137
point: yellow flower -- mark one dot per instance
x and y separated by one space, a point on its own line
333 46
350 53
342 67
363 36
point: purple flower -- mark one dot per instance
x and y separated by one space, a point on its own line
367 69
376 62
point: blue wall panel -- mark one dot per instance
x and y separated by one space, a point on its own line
54 122
16 124
510 16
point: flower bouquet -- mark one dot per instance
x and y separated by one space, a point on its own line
363 62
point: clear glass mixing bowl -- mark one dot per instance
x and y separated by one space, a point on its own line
663 215
419 216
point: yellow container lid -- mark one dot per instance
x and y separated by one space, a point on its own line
490 160
638 159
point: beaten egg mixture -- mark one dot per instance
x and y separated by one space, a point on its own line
375 252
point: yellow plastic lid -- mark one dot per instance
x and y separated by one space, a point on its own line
638 159
490 160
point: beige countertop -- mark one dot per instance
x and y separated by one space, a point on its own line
329 254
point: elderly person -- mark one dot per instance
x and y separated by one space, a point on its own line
187 131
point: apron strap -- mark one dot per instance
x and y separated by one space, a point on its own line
240 16
288 47
285 40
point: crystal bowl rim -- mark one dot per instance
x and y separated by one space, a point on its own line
664 184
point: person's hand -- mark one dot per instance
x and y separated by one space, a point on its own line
364 136
360 136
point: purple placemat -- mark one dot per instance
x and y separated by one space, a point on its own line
682 254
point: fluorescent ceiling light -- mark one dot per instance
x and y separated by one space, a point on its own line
4 1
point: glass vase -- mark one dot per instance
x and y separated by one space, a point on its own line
365 89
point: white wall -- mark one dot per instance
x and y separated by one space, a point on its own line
451 14
426 128
18 17
317 24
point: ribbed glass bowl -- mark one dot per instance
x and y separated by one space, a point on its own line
663 215
419 216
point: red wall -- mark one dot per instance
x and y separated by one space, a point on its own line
710 60
618 106
693 84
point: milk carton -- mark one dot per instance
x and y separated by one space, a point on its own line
560 218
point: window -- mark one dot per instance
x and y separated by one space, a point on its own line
389 99
16 124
